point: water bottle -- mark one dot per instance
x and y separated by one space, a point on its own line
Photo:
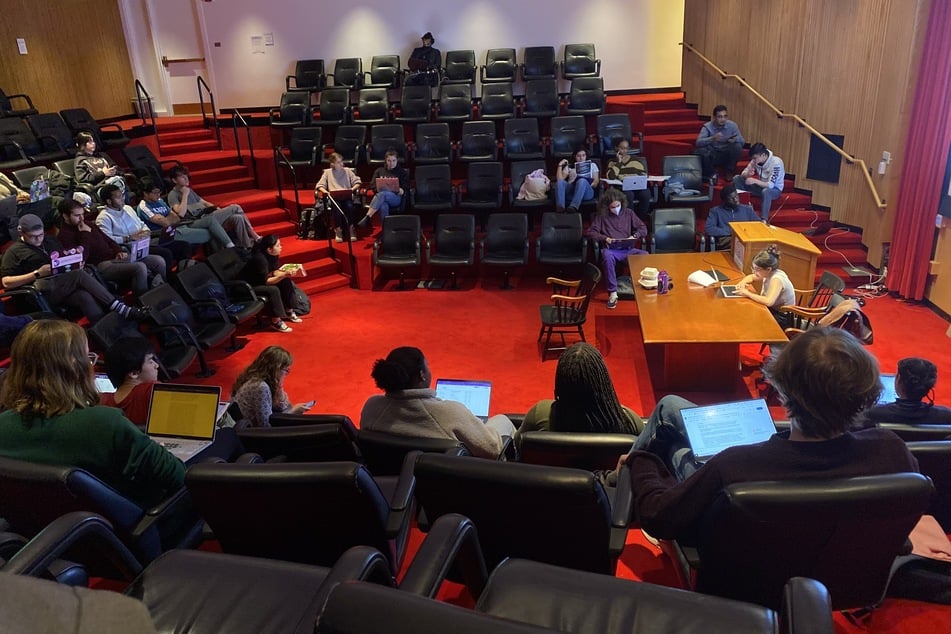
663 283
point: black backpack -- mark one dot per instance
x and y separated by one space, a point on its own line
314 224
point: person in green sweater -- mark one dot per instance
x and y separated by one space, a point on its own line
52 416
585 399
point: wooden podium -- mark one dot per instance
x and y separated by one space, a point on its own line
797 256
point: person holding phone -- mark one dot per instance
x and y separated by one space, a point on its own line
259 389
719 143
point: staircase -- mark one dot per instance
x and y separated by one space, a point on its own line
218 176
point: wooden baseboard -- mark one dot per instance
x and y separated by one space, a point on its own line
186 108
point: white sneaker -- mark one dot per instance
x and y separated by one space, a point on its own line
612 300
338 235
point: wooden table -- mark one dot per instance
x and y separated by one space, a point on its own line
698 330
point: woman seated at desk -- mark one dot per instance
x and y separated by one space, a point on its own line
775 290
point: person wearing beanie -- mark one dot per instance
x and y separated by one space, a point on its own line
425 62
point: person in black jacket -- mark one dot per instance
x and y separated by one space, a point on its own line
383 200
915 380
425 62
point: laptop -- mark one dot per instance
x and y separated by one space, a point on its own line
103 384
713 428
727 290
182 417
634 183
70 260
889 395
475 395
139 249
388 184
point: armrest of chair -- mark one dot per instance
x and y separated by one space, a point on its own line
116 126
621 508
803 311
509 450
273 112
158 513
65 532
242 288
359 563
23 97
452 542
17 146
402 499
212 303
10 543
806 607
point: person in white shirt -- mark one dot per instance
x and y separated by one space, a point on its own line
120 222
763 177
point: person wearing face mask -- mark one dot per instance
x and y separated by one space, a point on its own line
730 210
762 177
617 228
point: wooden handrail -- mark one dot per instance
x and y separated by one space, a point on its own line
879 201
166 61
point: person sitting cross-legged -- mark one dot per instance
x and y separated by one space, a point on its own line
617 228
157 215
185 202
384 200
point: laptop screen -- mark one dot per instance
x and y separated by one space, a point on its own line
713 428
475 395
103 384
183 411
889 395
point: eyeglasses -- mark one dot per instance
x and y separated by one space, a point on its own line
93 358
34 236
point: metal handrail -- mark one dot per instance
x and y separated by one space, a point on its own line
879 201
235 118
214 111
336 212
280 158
142 95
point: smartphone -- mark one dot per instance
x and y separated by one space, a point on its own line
309 404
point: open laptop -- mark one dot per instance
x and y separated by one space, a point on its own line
634 183
66 262
475 395
139 249
889 395
182 417
726 290
388 184
713 428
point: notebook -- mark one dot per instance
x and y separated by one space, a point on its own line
634 183
889 395
139 249
713 428
475 395
182 417
583 170
388 184
103 384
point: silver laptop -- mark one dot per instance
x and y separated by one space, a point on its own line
713 428
889 395
475 395
139 249
634 183
182 417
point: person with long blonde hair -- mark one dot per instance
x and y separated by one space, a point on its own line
259 389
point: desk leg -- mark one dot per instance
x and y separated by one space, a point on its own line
701 367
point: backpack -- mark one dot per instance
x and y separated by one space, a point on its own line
314 224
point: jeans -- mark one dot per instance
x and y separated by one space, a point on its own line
136 273
768 194
237 225
205 229
580 190
78 289
664 435
609 261
382 202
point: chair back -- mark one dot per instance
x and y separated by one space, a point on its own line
348 72
455 102
541 98
373 106
580 61
14 130
305 512
497 101
144 163
384 137
483 184
295 108
506 239
847 534
50 124
454 237
385 71
400 241
433 188
226 263
570 312
576 450
829 284
78 120
673 230
522 140
24 177
478 141
326 442
517 173
349 141
499 65
586 96
384 453
561 240
686 169
309 74
432 143
934 461
568 133
539 63
416 104
334 106
460 67
521 510
917 432
304 145
611 127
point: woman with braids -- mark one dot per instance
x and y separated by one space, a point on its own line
410 408
915 380
259 389
775 288
585 399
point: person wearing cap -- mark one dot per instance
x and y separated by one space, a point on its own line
29 261
914 382
618 229
425 62
729 210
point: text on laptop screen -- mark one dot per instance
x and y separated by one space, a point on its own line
889 395
475 395
188 411
713 428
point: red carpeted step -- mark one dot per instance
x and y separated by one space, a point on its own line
672 127
186 136
173 149
206 159
210 189
219 173
671 114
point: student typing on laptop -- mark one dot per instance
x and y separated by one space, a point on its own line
672 490
410 408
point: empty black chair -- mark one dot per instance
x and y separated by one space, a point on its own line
322 442
568 133
505 243
432 144
934 461
309 75
301 152
348 72
686 183
349 141
51 131
497 101
385 72
8 110
568 310
333 108
460 68
611 127
174 354
399 245
562 240
541 98
673 231
12 153
45 150
482 190
453 243
416 104
499 66
586 96
580 61
454 103
522 140
294 110
539 63
143 162
432 189
574 449
385 137
108 136
372 107
478 142
200 284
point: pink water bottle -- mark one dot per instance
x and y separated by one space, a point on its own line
663 283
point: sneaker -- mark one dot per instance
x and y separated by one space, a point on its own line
366 221
338 235
294 319
612 301
137 314
572 210
650 538
280 326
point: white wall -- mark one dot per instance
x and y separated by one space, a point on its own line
637 40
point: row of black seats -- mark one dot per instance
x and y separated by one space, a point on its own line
44 138
538 62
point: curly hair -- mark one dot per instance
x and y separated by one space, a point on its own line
266 367
610 196
768 258
400 370
585 399
918 377
49 373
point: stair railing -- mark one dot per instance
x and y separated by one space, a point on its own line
236 118
281 159
850 159
214 111
146 111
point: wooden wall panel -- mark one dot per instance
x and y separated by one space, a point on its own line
77 55
846 67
